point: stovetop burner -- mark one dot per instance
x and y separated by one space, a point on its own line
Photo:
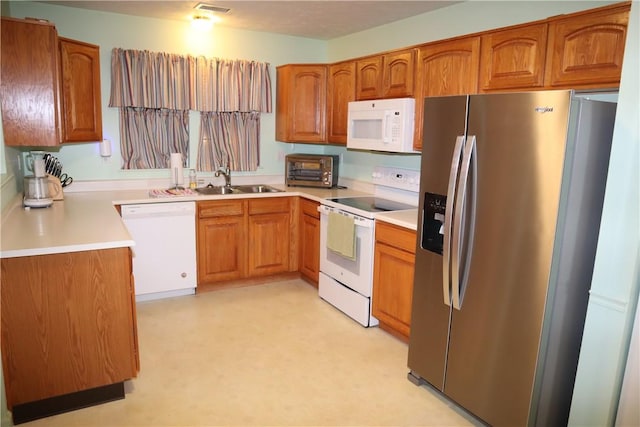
372 204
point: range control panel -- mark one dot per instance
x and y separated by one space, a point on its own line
401 179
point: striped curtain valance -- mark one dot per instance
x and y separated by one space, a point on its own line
149 80
184 82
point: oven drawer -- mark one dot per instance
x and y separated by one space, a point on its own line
346 300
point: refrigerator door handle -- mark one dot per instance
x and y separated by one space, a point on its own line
457 237
448 217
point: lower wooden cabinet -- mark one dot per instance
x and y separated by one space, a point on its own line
394 261
68 323
243 238
269 236
221 248
309 221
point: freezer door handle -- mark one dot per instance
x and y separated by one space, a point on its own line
457 238
448 216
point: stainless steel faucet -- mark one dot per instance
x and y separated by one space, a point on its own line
226 171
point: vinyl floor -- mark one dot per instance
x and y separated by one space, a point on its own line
266 355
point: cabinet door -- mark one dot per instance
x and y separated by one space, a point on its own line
586 50
301 103
369 78
513 59
68 323
81 100
221 249
394 262
309 240
269 237
446 68
342 81
397 74
29 83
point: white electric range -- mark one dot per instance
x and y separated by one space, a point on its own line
346 277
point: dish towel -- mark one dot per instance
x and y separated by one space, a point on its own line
341 235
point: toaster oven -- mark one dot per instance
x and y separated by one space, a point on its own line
311 170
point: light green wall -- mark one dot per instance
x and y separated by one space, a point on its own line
616 277
455 20
109 30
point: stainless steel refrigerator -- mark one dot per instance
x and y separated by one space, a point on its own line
512 187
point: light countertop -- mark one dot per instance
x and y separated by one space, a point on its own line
407 219
88 220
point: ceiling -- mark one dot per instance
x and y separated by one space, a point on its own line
322 20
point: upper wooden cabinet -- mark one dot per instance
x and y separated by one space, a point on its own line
369 78
586 49
342 90
397 74
81 103
513 58
50 86
389 75
301 103
29 83
446 68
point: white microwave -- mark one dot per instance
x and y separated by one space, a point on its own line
381 125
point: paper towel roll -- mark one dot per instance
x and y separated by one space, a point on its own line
176 169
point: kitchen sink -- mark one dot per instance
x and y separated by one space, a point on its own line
255 189
215 190
237 189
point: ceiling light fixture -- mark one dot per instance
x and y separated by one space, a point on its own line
211 8
201 22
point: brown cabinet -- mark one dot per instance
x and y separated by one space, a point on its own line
301 103
369 78
68 323
513 58
221 241
309 260
394 261
586 49
269 236
398 74
342 81
243 238
81 103
29 87
390 75
445 68
50 86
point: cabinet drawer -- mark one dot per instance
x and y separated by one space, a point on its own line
268 205
218 208
398 237
309 207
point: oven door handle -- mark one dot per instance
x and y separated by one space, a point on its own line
358 220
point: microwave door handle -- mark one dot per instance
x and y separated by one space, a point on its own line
448 218
386 127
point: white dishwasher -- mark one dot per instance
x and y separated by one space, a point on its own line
164 256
